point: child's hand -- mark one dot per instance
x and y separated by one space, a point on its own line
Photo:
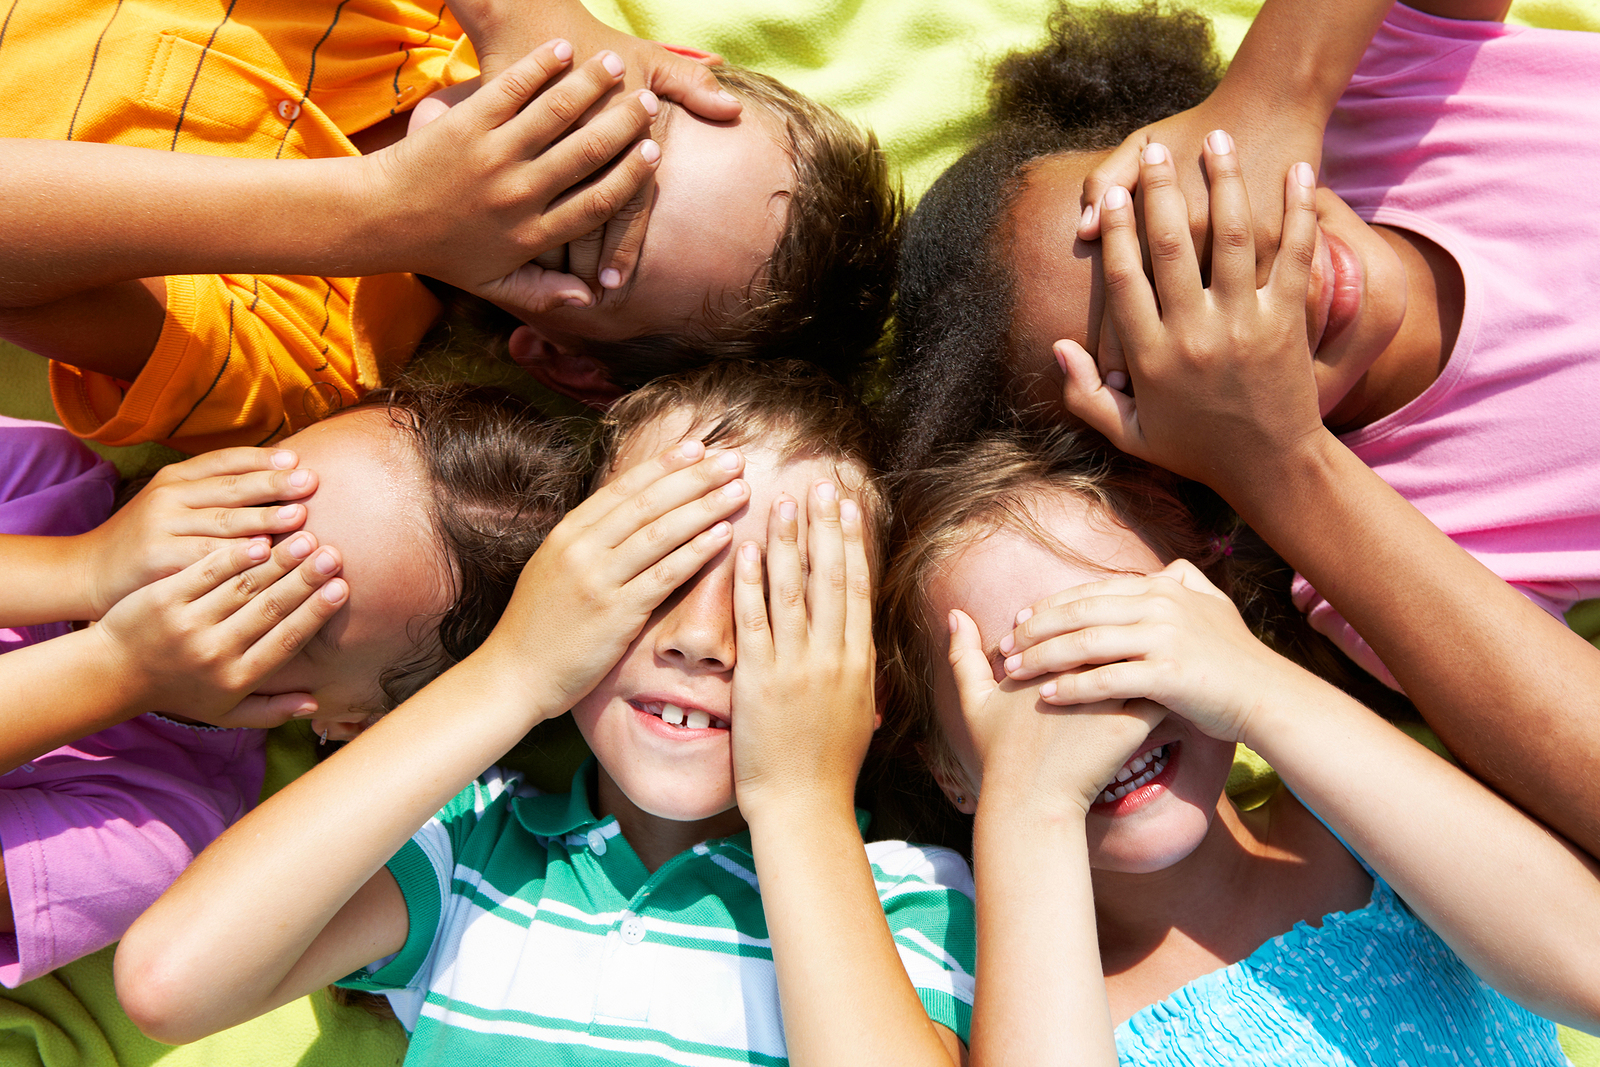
1030 752
1222 377
186 512
589 590
195 644
507 175
802 701
1171 637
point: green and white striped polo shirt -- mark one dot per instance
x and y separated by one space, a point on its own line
537 936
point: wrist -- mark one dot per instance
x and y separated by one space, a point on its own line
803 807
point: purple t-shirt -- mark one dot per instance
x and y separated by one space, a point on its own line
93 832
1484 139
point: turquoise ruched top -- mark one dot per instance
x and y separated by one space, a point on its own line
1373 986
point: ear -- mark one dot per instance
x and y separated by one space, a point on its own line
952 783
563 369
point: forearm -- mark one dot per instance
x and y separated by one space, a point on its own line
844 992
58 691
45 580
1041 996
327 835
1298 56
80 216
1514 901
1511 692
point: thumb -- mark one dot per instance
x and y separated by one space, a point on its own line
1121 167
974 677
1086 396
694 86
533 290
257 712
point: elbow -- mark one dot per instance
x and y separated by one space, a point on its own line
156 994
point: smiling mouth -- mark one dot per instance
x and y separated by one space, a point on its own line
1136 773
684 719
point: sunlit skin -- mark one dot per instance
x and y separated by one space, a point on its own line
1382 307
721 201
671 787
368 505
1212 882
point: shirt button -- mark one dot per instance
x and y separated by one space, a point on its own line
632 929
597 842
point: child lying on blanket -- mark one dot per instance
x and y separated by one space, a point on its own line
129 745
763 217
704 888
1091 728
1447 342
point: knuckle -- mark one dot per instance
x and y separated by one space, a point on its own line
1232 235
790 594
1165 244
562 105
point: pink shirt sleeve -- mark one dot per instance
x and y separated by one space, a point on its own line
95 831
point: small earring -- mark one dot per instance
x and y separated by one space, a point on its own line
960 800
324 739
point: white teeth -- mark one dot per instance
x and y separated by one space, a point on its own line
698 720
1124 774
672 713
1138 773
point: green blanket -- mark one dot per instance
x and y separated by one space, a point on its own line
913 70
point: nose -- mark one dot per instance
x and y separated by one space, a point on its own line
696 634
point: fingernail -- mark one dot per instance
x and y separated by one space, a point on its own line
304 711
325 563
258 550
300 479
334 591
289 512
1012 663
734 489
691 450
728 461
562 50
649 150
1220 142
1007 643
955 623
787 510
1048 689
848 510
1087 217
827 491
649 101
283 460
300 546
1059 350
729 97
749 551
1117 380
577 300
1116 197
1154 153
1024 615
613 64
1305 176
720 530
610 278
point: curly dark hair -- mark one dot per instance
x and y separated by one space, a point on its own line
1103 73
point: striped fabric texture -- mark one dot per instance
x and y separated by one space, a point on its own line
537 936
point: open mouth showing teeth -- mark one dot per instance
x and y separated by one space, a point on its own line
1136 773
673 715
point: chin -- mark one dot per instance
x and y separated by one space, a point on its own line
1147 841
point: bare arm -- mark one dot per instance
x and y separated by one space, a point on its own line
844 991
581 599
1510 690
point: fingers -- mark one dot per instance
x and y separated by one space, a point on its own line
258 712
1110 358
688 81
786 579
624 233
1120 168
974 677
582 215
555 109
258 598
1291 270
752 632
226 461
646 491
1088 397
1233 246
858 576
1130 301
534 290
826 584
505 96
670 512
1166 224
